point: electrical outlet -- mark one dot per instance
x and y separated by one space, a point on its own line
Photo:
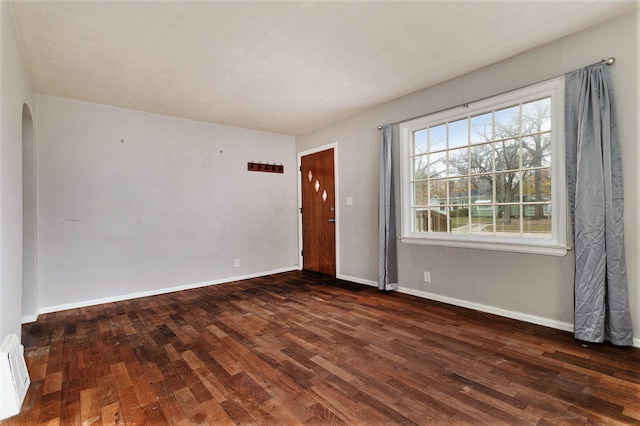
236 263
427 277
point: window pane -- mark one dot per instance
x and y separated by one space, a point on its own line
508 220
536 211
420 217
420 194
536 116
458 191
480 158
420 167
481 218
438 164
482 189
537 226
438 191
506 155
438 220
536 151
437 138
420 142
508 187
459 162
536 185
507 123
459 219
458 134
481 128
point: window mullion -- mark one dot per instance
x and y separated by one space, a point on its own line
468 202
521 171
494 194
428 209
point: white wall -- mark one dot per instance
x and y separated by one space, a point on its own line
15 92
173 205
532 287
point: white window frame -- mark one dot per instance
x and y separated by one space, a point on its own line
556 245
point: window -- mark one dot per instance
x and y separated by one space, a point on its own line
491 176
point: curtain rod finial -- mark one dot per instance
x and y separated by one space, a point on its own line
379 127
609 61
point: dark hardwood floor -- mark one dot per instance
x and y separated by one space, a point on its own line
300 348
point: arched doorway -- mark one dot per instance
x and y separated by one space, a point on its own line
29 287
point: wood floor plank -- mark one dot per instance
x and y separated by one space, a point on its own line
216 414
111 414
304 348
31 404
91 406
131 409
50 406
169 405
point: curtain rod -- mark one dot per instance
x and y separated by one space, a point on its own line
608 61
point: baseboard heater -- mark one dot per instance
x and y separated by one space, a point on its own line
14 377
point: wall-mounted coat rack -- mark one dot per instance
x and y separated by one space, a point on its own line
269 168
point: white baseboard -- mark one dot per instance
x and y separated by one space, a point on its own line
129 296
533 319
29 318
559 325
357 280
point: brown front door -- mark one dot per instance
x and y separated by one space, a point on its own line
318 213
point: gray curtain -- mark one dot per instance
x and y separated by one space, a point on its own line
387 253
594 174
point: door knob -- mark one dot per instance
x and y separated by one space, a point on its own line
332 220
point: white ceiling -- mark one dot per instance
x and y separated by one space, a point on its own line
286 67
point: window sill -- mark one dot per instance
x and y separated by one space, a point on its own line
513 247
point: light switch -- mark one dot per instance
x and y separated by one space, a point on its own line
349 201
